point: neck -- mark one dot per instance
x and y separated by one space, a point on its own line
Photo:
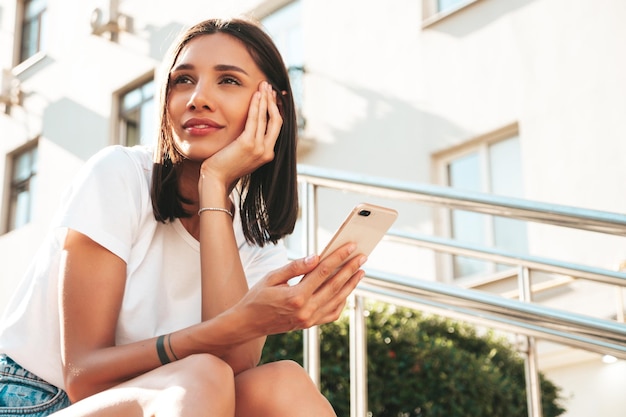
188 178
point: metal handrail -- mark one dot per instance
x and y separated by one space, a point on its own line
517 208
521 317
594 334
495 255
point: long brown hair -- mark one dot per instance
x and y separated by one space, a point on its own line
269 200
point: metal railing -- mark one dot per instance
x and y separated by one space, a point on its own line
521 317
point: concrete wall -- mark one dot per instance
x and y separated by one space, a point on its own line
383 95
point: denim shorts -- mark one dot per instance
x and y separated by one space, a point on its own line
23 393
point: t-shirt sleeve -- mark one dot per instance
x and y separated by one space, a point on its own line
105 199
259 261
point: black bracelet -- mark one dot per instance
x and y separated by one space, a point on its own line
161 351
169 343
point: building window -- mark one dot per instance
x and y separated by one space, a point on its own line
285 27
447 5
23 187
490 166
33 28
434 10
137 116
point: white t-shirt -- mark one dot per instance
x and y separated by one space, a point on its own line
109 201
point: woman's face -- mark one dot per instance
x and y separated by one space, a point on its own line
210 88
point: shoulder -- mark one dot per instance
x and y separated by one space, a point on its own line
139 157
118 164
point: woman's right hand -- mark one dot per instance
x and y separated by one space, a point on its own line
273 306
253 148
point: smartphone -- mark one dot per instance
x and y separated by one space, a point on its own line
365 225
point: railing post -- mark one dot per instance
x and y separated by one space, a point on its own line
311 336
358 357
620 305
533 385
620 316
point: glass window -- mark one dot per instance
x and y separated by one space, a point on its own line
493 168
445 5
285 27
137 116
23 187
33 27
435 10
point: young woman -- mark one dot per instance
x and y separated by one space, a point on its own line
165 272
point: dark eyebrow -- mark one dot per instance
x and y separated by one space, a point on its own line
182 67
220 68
225 68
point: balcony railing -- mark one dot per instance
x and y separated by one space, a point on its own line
522 317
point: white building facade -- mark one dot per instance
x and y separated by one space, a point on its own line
524 98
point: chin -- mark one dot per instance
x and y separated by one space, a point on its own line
197 152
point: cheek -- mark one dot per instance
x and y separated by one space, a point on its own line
175 104
238 110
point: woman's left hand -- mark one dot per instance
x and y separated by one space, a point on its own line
273 306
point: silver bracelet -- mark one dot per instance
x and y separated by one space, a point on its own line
215 209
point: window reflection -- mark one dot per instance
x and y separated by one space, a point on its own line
137 116
33 27
492 168
23 187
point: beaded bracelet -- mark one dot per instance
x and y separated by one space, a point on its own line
230 213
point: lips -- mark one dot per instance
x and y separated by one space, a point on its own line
201 127
197 123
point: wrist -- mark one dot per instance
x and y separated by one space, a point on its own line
218 335
213 193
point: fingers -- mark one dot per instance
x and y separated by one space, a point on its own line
318 298
264 119
275 120
253 115
261 122
330 265
316 272
293 269
261 117
262 126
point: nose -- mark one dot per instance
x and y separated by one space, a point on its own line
200 98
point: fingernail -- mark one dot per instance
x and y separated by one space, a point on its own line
310 259
362 260
351 247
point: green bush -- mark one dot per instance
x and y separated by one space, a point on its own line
422 366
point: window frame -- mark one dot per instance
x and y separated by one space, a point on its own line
443 217
119 121
19 57
11 185
431 13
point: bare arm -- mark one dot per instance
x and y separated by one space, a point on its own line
223 278
92 287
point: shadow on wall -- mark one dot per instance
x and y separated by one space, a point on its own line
386 136
82 131
75 128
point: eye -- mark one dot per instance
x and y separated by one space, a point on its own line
229 80
180 79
